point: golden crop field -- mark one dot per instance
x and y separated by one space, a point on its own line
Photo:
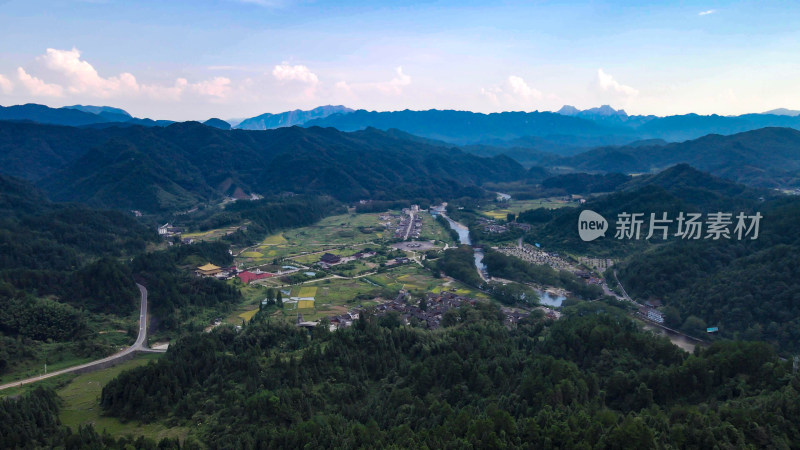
247 315
307 291
305 304
275 239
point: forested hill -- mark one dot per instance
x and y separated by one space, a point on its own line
768 157
749 289
591 377
169 168
678 189
59 267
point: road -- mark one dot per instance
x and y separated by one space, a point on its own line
138 346
410 225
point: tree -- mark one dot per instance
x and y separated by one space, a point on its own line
279 300
510 217
423 304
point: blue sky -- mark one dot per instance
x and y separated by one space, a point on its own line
233 58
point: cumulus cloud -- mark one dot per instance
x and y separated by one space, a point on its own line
5 85
514 92
37 87
82 76
520 87
287 72
707 12
607 83
218 87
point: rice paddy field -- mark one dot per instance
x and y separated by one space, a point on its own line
517 206
329 234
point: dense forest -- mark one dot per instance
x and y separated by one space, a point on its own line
746 288
163 169
263 217
678 189
59 270
592 379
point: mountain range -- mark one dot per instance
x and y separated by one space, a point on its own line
767 157
289 118
175 167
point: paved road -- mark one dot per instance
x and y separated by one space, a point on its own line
138 346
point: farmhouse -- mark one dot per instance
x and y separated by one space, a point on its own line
330 258
248 276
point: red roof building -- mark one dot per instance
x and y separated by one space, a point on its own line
247 277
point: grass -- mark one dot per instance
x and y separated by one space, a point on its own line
81 404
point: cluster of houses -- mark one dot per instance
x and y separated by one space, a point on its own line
534 255
651 314
491 226
409 214
431 316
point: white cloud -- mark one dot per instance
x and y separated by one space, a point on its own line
395 85
707 12
38 87
287 72
218 87
5 85
607 83
521 88
82 79
82 76
514 92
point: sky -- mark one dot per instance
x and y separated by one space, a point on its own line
192 60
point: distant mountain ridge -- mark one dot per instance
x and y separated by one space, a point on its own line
270 121
75 116
767 157
783 112
603 123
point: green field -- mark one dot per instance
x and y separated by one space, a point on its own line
81 404
329 234
501 210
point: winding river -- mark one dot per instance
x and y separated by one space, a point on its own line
545 297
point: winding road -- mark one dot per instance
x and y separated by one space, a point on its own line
138 346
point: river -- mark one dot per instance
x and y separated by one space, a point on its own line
545 297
